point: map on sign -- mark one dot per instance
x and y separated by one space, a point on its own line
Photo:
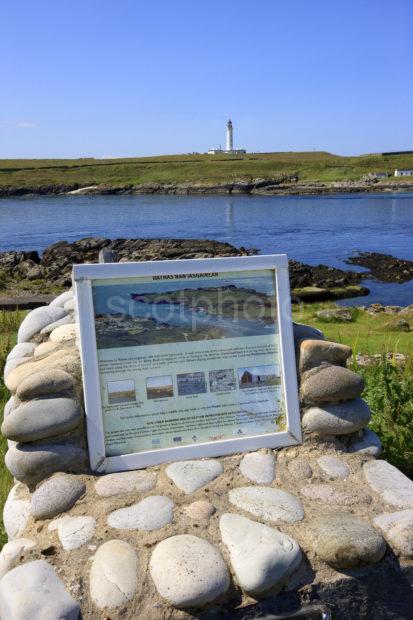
179 363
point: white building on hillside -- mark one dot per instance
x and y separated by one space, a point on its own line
230 144
403 173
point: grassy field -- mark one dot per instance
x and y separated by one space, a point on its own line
308 166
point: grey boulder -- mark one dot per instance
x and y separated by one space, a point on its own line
330 384
56 495
45 381
337 419
37 319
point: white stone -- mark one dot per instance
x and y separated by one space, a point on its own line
333 467
74 532
397 529
61 299
16 511
261 557
258 467
49 328
14 363
188 571
124 483
114 574
37 319
268 504
9 406
44 349
393 487
369 443
64 333
33 591
24 349
11 553
151 513
70 305
200 510
337 419
192 475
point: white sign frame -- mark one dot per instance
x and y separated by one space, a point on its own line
83 276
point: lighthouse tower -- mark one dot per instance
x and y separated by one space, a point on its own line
230 142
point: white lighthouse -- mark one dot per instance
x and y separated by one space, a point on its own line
230 140
230 144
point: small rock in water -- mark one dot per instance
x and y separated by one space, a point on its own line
344 541
37 319
30 463
268 504
368 443
188 571
41 419
258 467
330 384
16 511
261 557
333 467
64 333
46 381
11 553
34 591
114 574
192 475
393 487
200 510
338 419
151 513
125 482
315 352
397 529
56 495
74 532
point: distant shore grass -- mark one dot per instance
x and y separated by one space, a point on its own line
198 168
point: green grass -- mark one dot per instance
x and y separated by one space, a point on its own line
367 334
308 166
9 323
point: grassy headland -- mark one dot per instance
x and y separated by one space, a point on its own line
306 167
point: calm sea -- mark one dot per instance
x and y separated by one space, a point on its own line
312 229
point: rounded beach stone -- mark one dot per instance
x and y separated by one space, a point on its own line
368 443
393 487
34 591
261 557
64 333
44 349
14 363
337 419
344 541
24 349
74 532
37 319
330 495
188 571
258 467
268 504
192 475
151 513
333 467
302 332
66 359
9 406
315 352
114 574
397 529
56 495
16 511
49 328
61 299
329 384
124 483
199 510
30 463
12 552
46 381
41 419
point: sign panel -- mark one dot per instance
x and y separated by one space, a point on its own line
184 359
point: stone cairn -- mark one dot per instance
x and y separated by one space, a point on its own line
210 538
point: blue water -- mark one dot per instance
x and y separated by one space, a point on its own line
312 229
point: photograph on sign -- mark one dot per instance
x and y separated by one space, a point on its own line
180 363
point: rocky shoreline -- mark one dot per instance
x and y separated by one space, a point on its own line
26 273
284 185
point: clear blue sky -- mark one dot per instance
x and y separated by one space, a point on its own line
104 78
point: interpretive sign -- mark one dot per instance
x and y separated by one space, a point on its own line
184 359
